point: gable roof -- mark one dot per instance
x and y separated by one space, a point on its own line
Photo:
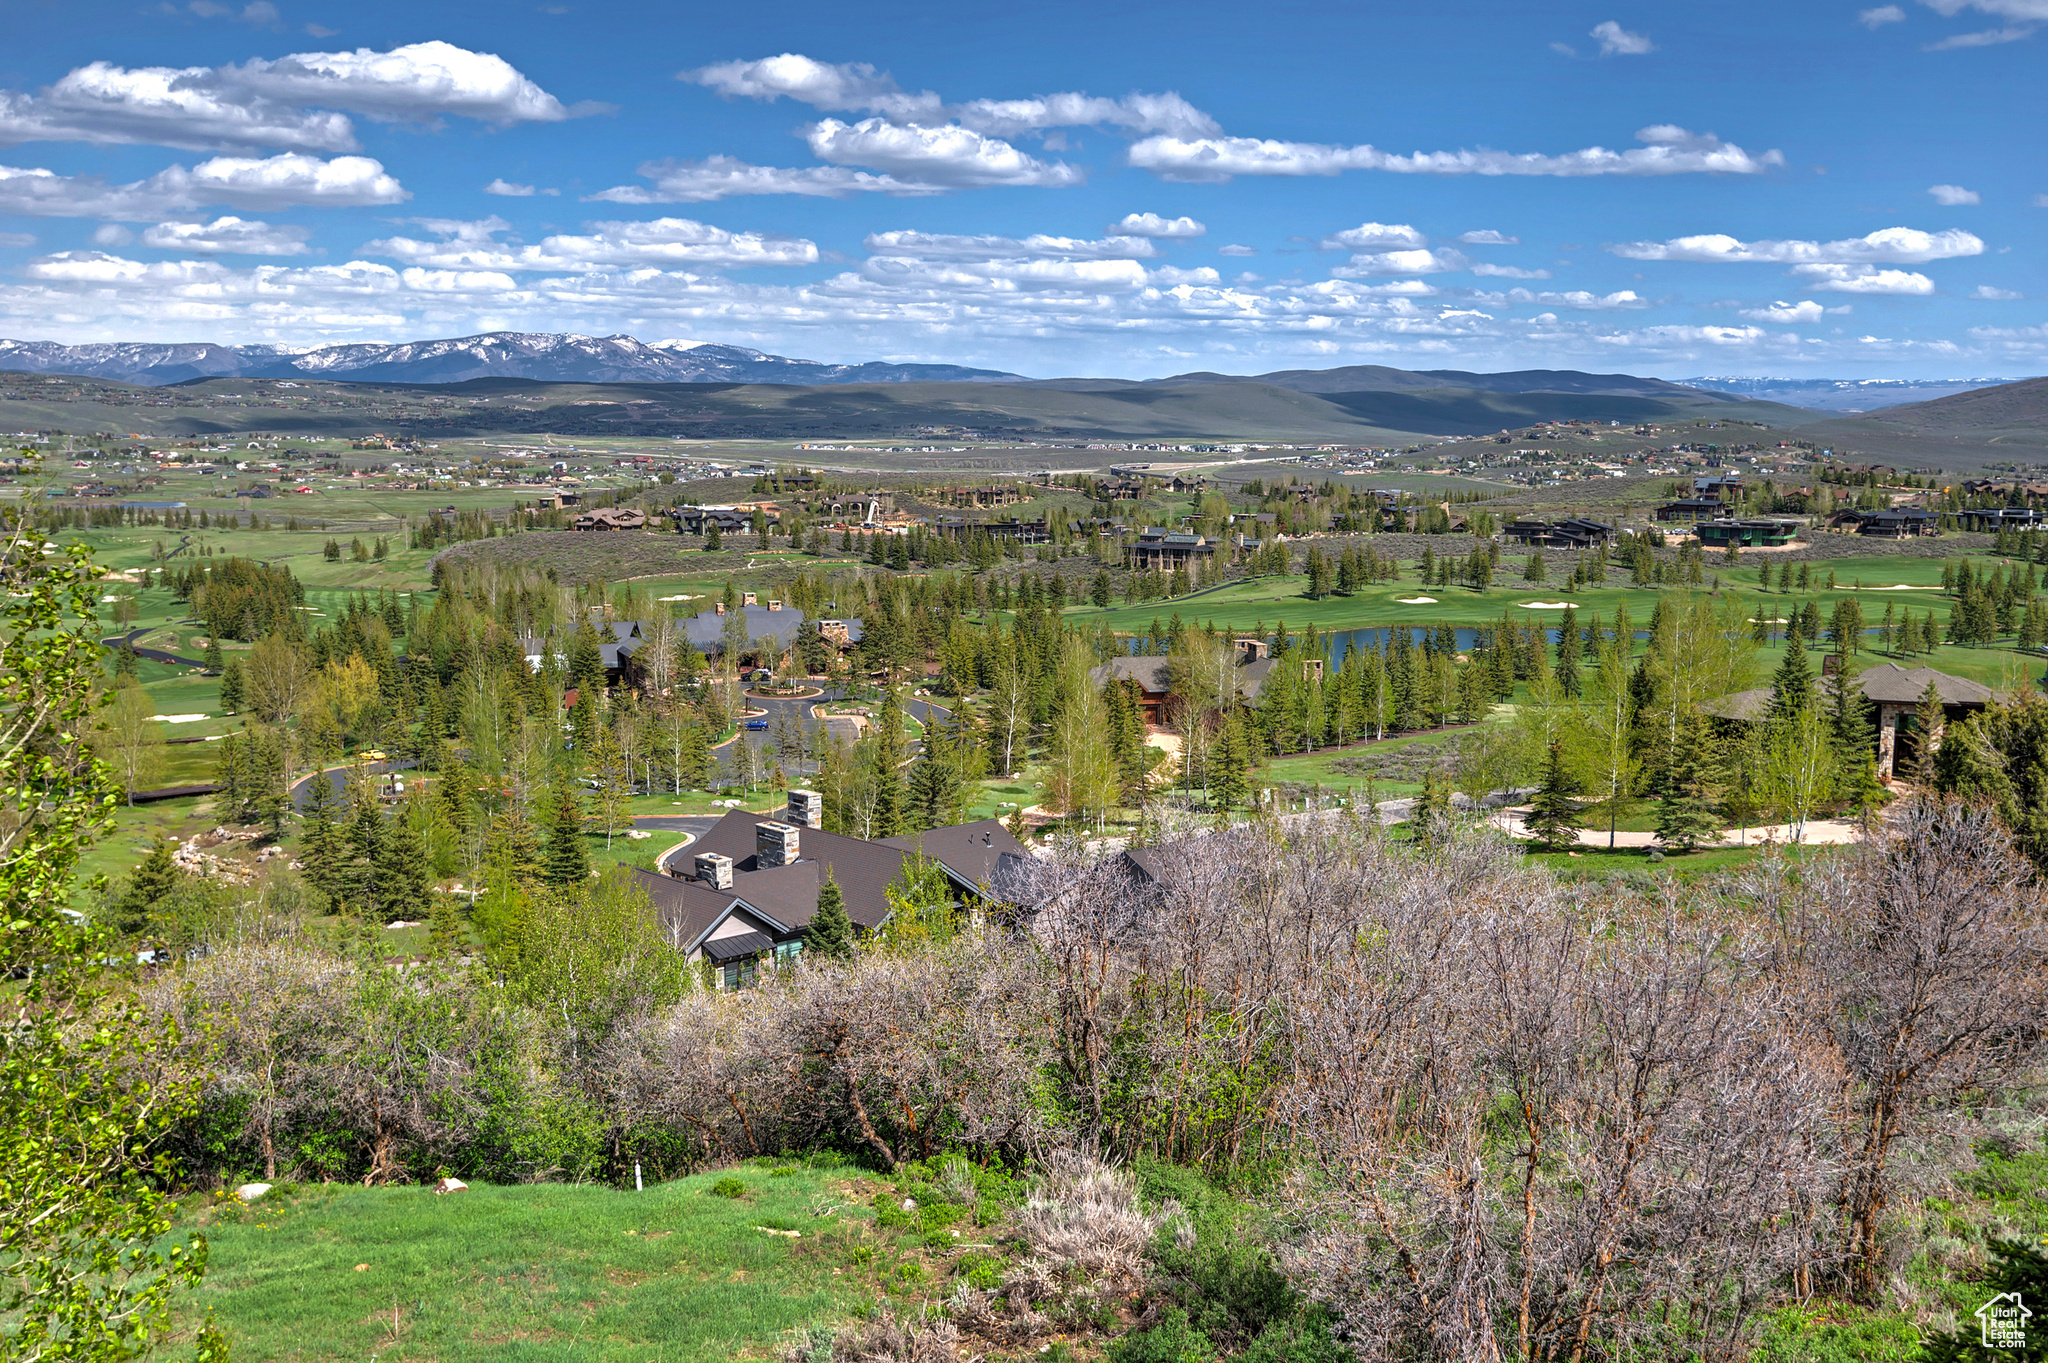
1149 671
974 852
790 893
1895 685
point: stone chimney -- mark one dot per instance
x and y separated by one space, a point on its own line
775 844
806 809
714 870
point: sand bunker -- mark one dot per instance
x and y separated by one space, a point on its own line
1895 587
1415 600
182 719
1546 605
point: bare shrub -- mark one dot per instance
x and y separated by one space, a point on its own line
1084 1215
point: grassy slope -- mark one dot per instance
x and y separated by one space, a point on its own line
539 1272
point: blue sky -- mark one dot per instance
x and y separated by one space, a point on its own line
1135 190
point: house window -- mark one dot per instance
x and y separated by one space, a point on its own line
787 952
741 974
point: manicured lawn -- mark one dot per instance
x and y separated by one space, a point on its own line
543 1272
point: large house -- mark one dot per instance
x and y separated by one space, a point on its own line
1250 658
1992 519
1695 509
1895 524
1895 692
1574 532
611 518
744 893
617 640
1746 534
1159 548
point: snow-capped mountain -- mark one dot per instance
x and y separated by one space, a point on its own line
559 357
1840 395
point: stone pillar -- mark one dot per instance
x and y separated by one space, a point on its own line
1887 738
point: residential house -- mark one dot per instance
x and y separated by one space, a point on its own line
1572 533
742 896
1745 534
611 518
1160 549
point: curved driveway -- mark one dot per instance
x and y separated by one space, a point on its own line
155 655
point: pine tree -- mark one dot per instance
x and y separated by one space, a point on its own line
886 755
1792 683
1430 818
215 661
830 933
231 698
151 882
568 861
363 859
403 880
1685 812
444 926
1555 815
320 848
1927 724
1230 767
1856 780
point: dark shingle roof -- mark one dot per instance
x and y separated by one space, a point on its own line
1150 672
973 852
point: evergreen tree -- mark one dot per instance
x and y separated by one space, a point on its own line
363 860
830 933
148 886
404 882
1792 683
568 861
1856 780
1555 816
1534 570
1685 811
1927 723
885 755
231 697
1430 818
214 659
444 926
2020 1270
1230 767
1568 654
320 845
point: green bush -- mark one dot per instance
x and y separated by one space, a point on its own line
984 1271
729 1187
889 1212
1173 1340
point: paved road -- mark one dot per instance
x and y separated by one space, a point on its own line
155 655
337 779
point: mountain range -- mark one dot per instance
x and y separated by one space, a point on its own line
549 356
1841 395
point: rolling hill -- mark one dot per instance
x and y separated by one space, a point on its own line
1962 432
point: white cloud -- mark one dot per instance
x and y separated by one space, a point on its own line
1489 237
847 85
1235 249
1509 272
1890 245
1400 262
1670 151
287 103
859 87
1864 279
1616 41
465 245
1806 310
228 235
286 181
509 190
17 240
1374 236
1139 114
1995 295
2041 201
1882 15
1152 225
976 276
413 83
1989 37
933 246
724 177
167 107
111 234
1954 196
1577 299
949 155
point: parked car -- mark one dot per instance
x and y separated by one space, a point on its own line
757 724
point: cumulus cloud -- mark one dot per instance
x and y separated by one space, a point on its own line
724 177
1578 299
1668 151
1489 237
1400 262
287 181
509 190
1880 16
1234 249
1152 225
974 275
111 234
287 103
1989 37
1890 245
859 87
1864 279
17 240
1509 272
1995 295
949 156
261 13
1616 41
1954 196
1374 236
466 245
228 236
936 246
1806 310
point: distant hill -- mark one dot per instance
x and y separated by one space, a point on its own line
550 356
1959 433
1842 395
